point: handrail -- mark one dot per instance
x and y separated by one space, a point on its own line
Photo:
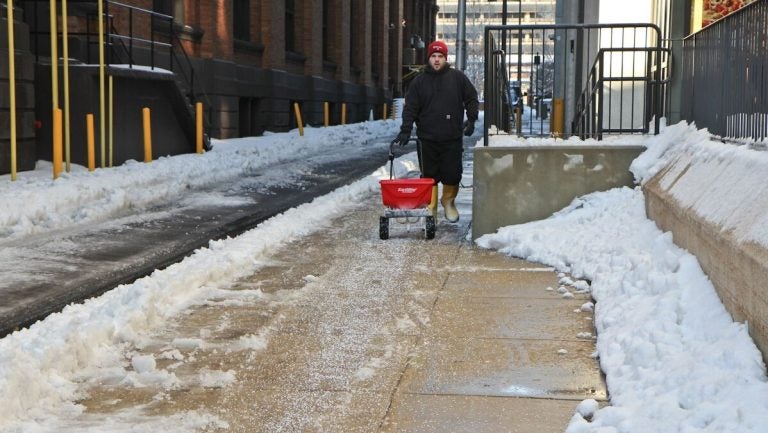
169 41
136 8
191 78
588 112
555 65
496 83
185 70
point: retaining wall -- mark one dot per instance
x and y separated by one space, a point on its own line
714 222
515 185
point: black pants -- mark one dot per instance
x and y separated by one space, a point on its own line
442 160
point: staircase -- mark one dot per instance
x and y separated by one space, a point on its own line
147 64
602 78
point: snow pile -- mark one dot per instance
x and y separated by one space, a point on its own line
724 184
674 359
42 368
35 203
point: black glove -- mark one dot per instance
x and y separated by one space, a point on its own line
402 138
469 128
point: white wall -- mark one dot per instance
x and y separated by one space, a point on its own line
625 96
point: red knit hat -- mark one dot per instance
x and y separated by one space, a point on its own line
437 47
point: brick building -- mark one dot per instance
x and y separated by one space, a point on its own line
267 54
248 61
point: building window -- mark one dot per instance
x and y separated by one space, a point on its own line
241 20
290 25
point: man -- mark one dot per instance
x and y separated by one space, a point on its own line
436 101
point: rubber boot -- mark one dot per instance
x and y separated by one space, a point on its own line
449 195
433 203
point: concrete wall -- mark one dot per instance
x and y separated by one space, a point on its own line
736 268
514 185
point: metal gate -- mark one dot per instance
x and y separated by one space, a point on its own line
574 79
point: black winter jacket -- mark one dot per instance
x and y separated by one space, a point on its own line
436 101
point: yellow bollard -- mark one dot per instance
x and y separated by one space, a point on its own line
518 119
298 118
325 114
147 134
343 113
384 114
57 144
199 127
12 83
91 142
558 123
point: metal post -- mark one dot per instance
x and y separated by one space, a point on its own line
65 50
461 42
12 83
487 82
130 38
102 118
504 23
519 43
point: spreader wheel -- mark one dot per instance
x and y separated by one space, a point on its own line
384 228
430 227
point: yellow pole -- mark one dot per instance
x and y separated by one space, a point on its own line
54 80
57 146
518 119
298 118
147 134
325 114
343 113
65 49
102 120
54 58
384 114
91 143
12 83
111 103
558 123
199 127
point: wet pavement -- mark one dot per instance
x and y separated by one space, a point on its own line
354 334
341 331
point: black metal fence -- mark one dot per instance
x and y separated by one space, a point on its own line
725 75
579 79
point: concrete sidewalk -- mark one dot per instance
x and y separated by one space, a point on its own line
364 335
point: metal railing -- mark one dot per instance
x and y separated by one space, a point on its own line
598 78
497 103
725 75
158 47
113 36
594 110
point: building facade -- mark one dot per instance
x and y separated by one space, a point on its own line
258 57
248 61
481 13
